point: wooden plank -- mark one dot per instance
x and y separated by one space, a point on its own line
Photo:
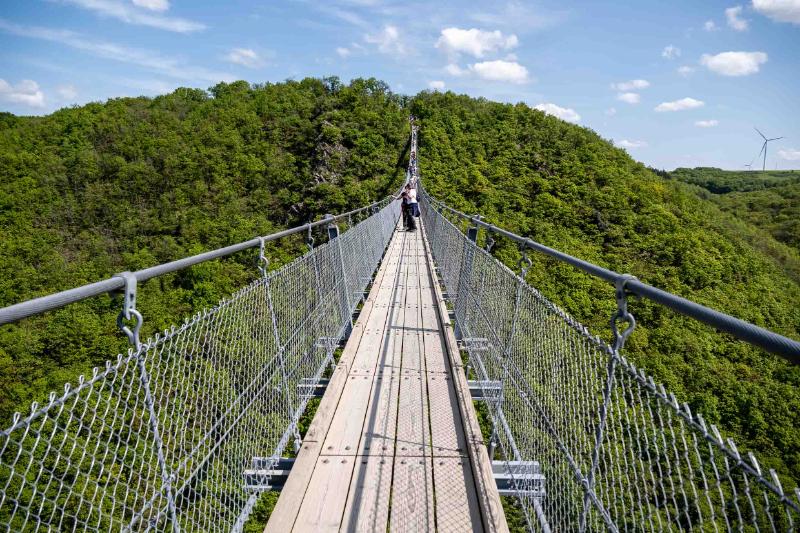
326 495
413 432
367 506
380 423
322 419
288 504
412 495
457 507
447 433
492 513
348 420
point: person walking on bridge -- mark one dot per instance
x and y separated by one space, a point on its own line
412 206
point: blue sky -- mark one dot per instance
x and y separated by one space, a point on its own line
678 83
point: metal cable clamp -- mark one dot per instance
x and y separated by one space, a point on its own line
129 311
622 314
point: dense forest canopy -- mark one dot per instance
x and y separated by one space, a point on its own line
769 200
94 190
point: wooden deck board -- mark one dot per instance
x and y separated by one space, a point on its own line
367 506
387 447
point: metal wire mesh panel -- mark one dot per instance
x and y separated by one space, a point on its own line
160 438
603 447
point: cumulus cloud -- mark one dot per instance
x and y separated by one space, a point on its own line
26 92
710 25
629 98
245 57
734 17
131 15
789 154
564 113
624 143
67 92
152 5
779 10
475 42
706 123
455 70
388 40
685 70
734 63
679 105
630 85
499 70
436 85
671 52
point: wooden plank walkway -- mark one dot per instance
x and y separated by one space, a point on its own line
395 442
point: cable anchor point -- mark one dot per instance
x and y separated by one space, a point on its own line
129 311
622 314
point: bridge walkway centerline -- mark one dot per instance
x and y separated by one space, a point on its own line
395 444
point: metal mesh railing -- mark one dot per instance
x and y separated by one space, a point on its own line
160 437
606 447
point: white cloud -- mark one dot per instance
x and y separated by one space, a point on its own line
611 111
734 63
706 123
436 85
630 85
629 98
343 52
455 70
152 5
733 16
680 105
388 40
475 42
146 59
710 25
129 14
500 70
26 92
789 154
685 70
67 92
564 113
671 52
779 10
624 143
246 57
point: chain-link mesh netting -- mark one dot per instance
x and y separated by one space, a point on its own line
161 437
605 447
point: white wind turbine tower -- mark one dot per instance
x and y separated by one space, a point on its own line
764 147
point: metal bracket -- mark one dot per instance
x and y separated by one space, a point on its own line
622 314
263 262
524 264
129 311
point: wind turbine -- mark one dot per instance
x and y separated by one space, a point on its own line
748 166
764 147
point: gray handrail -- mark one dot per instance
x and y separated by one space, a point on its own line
758 336
15 312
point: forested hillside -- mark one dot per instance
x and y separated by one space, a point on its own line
90 191
570 189
769 200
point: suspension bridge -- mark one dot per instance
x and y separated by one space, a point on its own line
400 340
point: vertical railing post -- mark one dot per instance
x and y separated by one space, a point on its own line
347 310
